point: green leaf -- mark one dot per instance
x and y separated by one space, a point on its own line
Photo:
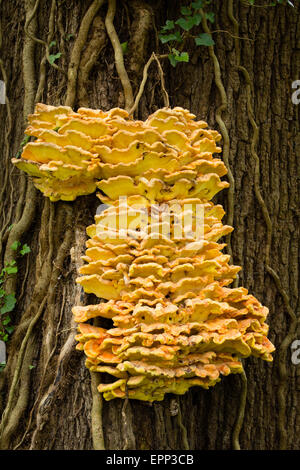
185 11
52 43
9 304
204 39
198 4
11 269
183 57
169 25
11 263
15 245
4 337
31 367
9 329
177 56
25 249
172 59
124 46
10 227
53 57
6 320
188 23
25 140
210 16
2 366
69 36
170 37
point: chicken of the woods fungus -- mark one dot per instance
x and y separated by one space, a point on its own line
175 322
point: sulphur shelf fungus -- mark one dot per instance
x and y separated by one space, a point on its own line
153 253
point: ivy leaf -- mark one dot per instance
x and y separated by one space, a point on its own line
9 329
11 263
69 36
2 366
52 43
124 46
197 18
170 37
53 57
210 16
187 24
31 367
15 245
4 337
169 25
9 304
11 269
22 144
6 320
183 57
204 39
185 11
172 60
198 4
25 249
177 56
25 140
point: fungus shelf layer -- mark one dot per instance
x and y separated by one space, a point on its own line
176 323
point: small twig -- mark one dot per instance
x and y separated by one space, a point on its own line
124 408
144 80
162 79
182 427
96 413
39 41
241 412
232 35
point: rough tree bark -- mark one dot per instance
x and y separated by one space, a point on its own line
53 405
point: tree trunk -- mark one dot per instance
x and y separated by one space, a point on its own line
48 397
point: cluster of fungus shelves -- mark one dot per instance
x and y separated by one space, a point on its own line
176 323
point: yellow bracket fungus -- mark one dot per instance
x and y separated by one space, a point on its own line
175 322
